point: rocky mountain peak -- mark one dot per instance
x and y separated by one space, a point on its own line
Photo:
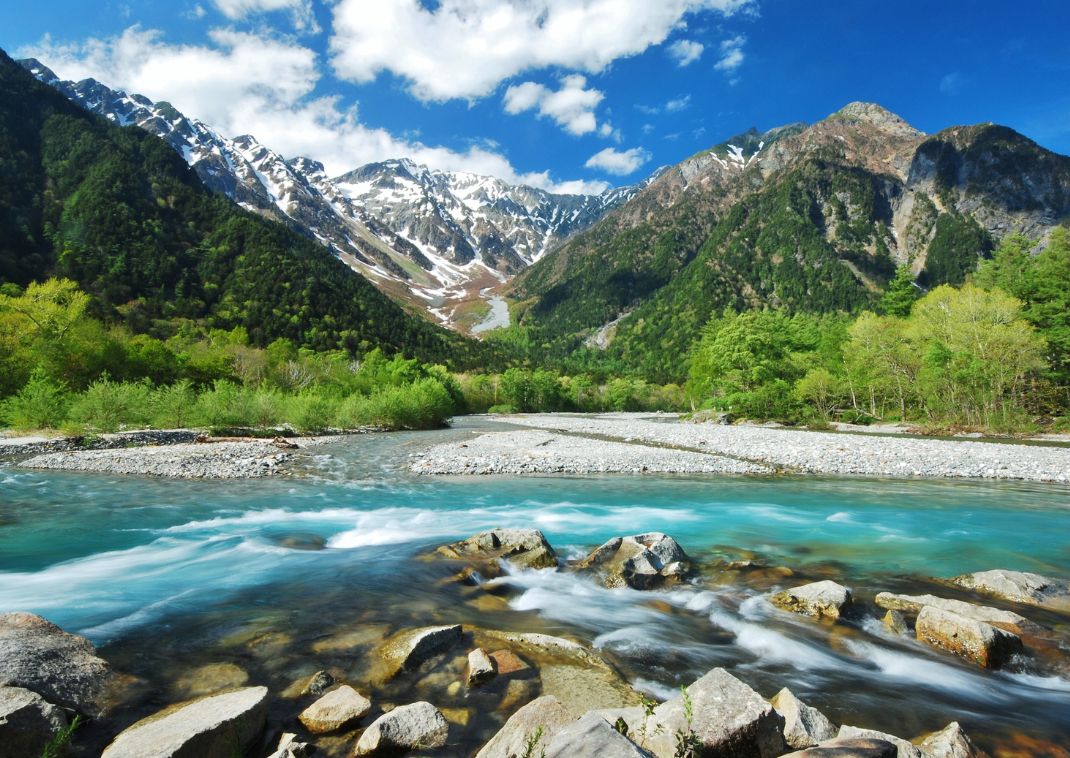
878 116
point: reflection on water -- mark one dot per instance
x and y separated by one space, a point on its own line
288 576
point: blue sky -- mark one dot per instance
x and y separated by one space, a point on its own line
565 94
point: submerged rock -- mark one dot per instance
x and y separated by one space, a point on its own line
903 748
914 603
319 683
210 679
212 727
532 726
481 667
803 726
592 737
524 548
949 742
642 561
336 710
409 648
729 718
28 722
977 641
63 668
849 747
407 727
895 623
1017 586
825 599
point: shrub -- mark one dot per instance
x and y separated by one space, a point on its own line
311 412
174 406
424 404
108 406
226 404
41 404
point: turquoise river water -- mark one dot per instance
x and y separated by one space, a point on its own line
164 575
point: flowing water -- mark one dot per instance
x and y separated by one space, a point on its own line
283 577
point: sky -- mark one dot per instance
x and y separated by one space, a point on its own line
567 95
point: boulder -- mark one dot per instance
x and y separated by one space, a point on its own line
642 561
949 742
587 687
289 747
914 603
895 623
544 717
592 737
977 641
728 718
213 727
1017 586
903 748
825 599
406 650
803 726
481 667
62 668
407 727
319 683
849 747
336 710
523 548
28 722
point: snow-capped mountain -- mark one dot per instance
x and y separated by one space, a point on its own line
433 238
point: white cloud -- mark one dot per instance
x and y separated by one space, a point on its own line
300 10
679 104
951 84
571 107
466 48
255 84
731 54
618 162
686 51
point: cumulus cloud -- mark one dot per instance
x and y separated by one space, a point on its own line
571 107
731 54
300 10
256 84
466 48
618 162
685 51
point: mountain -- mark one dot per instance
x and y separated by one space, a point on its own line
811 218
119 211
430 238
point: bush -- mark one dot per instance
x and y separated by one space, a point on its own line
504 408
108 406
311 412
424 404
41 404
227 404
174 407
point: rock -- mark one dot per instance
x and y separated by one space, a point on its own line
729 718
914 604
1017 586
62 668
507 662
481 667
212 727
289 747
949 742
336 710
210 679
895 623
28 722
803 726
408 649
903 748
407 727
319 683
545 713
849 747
584 688
524 548
968 638
642 561
592 737
825 599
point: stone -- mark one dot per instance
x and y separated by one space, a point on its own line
289 747
642 561
803 726
849 747
584 688
914 603
949 742
406 650
481 667
336 710
407 727
592 737
523 548
729 718
28 722
544 716
825 599
903 748
1017 586
211 727
62 668
210 679
319 683
977 641
507 662
895 623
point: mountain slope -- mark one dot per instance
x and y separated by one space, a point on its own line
120 212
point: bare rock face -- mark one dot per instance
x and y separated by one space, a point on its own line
849 747
524 548
212 727
803 726
914 603
825 599
728 718
408 649
977 641
1017 586
27 722
407 727
62 668
336 710
642 561
949 742
592 737
544 717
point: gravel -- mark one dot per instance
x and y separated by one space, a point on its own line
622 443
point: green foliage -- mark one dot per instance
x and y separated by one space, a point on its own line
958 245
424 404
61 740
108 406
901 294
41 404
